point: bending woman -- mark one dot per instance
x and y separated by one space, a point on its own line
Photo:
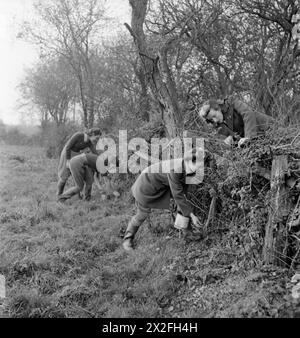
82 168
75 144
154 188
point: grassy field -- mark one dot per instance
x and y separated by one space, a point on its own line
67 260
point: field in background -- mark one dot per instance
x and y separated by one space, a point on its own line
67 260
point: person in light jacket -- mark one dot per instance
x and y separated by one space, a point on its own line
154 188
81 168
77 143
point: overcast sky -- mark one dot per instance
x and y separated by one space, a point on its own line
16 55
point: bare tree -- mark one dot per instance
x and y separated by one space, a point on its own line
157 68
128 71
279 61
239 46
70 28
50 87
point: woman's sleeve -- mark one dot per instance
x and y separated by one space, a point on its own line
177 185
72 141
93 148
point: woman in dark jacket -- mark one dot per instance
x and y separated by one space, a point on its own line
78 142
237 116
154 188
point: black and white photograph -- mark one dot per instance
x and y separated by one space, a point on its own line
149 162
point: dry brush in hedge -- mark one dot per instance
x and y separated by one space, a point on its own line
254 191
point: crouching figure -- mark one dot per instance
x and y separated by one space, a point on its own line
231 117
77 143
155 186
82 168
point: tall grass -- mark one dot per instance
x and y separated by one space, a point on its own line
67 260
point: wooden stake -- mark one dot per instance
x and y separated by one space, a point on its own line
276 229
212 210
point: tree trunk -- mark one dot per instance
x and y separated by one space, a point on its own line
90 113
90 92
82 92
158 73
144 100
85 116
276 230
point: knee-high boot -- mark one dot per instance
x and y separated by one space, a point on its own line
131 231
68 194
60 187
132 228
87 192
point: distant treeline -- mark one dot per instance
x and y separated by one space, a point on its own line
50 136
20 134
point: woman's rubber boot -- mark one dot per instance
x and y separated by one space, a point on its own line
60 188
129 236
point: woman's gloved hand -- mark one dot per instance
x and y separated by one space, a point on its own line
229 140
195 220
243 142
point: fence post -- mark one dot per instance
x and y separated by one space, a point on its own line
276 230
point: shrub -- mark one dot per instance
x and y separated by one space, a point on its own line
55 137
